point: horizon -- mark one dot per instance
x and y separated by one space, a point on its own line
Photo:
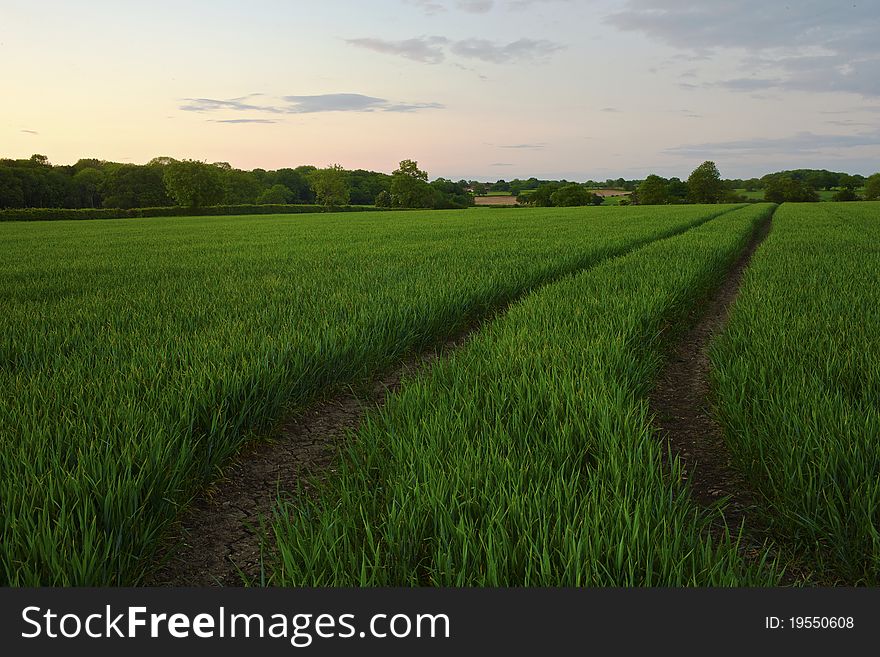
471 89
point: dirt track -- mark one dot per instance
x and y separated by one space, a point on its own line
680 402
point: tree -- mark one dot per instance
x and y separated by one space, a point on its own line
383 199
275 195
194 184
845 194
11 193
872 187
704 184
571 195
89 182
783 188
133 186
653 191
330 186
409 186
542 196
241 187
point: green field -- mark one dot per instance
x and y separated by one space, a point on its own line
528 458
138 355
798 382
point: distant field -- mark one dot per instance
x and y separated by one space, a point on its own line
138 355
495 199
824 194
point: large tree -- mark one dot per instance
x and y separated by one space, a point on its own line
409 186
194 184
872 187
704 184
330 186
653 191
572 195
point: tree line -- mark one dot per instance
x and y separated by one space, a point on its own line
165 181
800 185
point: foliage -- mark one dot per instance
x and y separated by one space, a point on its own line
845 194
383 199
783 188
409 186
330 186
704 184
132 186
573 195
653 191
194 184
56 214
276 195
872 188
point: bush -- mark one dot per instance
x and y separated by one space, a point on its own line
58 214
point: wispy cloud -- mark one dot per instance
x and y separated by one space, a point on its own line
501 164
810 45
432 7
434 49
497 53
535 147
30 132
427 49
475 6
610 110
343 102
239 104
243 121
800 143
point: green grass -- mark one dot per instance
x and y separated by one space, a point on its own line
797 374
528 458
137 355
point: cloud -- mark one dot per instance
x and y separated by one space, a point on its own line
524 49
610 110
234 104
422 49
30 132
501 164
243 121
522 146
800 143
343 102
848 123
475 6
430 49
432 7
809 45
749 84
428 6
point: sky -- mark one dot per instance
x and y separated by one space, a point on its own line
475 89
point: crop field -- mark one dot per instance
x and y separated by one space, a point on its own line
528 457
797 374
136 356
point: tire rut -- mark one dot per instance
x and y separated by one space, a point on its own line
681 405
218 538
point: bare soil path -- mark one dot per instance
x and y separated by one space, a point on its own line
681 405
217 540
